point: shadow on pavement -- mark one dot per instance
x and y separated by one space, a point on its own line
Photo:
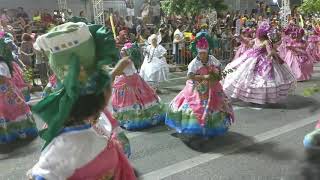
231 141
214 145
310 168
12 150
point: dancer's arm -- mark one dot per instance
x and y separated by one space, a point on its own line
118 70
198 78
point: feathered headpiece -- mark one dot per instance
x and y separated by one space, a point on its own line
263 29
202 42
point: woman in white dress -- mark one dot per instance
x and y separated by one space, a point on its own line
154 68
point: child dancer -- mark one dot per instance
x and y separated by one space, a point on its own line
259 76
135 103
297 57
201 108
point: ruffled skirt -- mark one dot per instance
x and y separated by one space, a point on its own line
135 104
258 80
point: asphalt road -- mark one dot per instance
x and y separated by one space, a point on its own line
265 143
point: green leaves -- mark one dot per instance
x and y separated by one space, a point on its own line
183 7
310 6
311 91
28 75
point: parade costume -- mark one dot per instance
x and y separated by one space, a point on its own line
258 77
297 58
245 43
16 120
79 56
154 68
285 39
17 73
201 108
135 104
313 48
312 140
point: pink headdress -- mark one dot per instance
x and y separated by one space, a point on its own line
263 29
203 45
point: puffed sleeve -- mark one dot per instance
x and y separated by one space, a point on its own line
161 50
4 70
63 156
192 67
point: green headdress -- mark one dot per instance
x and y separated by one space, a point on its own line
79 56
6 43
199 37
133 51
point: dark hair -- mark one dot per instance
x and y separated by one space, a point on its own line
86 106
26 37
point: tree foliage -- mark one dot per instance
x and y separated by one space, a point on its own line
310 6
194 7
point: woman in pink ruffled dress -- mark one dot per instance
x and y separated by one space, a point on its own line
313 48
259 76
135 104
297 58
245 39
201 108
285 39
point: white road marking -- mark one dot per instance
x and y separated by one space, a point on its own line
207 157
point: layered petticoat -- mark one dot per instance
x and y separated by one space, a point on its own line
135 104
258 79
